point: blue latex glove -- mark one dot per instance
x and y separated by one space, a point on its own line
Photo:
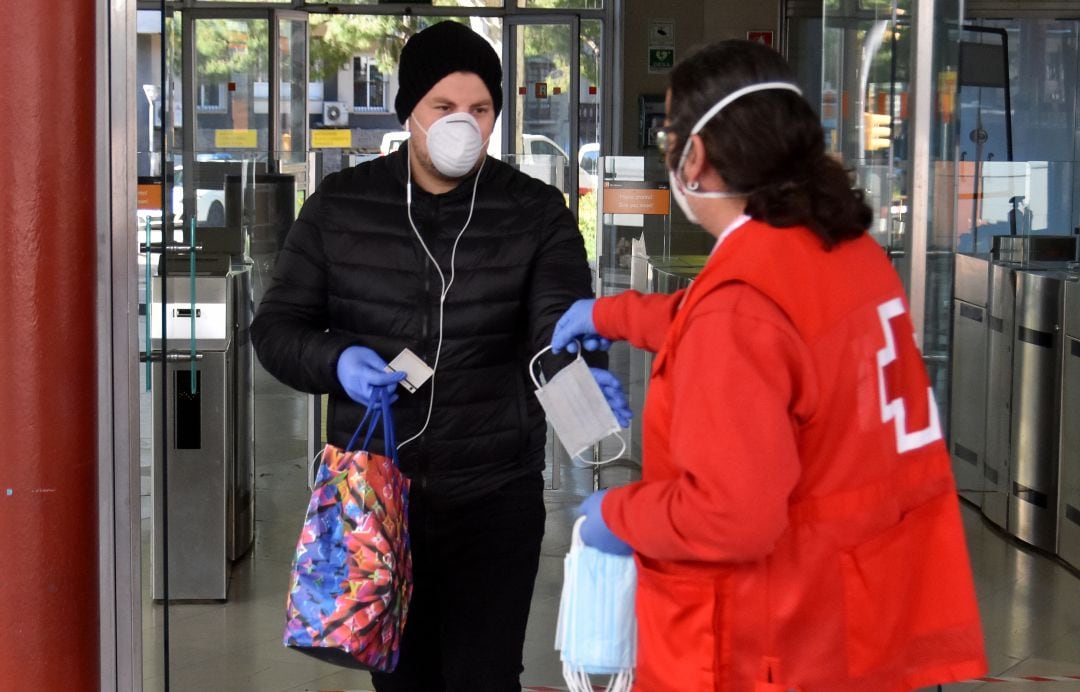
613 393
595 533
577 324
361 372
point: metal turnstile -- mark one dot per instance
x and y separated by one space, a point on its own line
204 431
1000 307
1036 407
967 412
1069 507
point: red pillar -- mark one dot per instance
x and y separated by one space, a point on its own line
48 365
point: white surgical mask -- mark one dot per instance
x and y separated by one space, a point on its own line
680 191
596 630
454 143
576 407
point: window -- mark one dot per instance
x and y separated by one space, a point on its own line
211 97
369 85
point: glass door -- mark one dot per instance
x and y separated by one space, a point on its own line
553 108
223 157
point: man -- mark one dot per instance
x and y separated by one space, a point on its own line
467 263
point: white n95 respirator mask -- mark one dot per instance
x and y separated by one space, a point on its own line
575 407
454 143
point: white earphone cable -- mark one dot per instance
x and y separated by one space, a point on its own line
442 279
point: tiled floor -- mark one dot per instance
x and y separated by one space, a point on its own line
1030 603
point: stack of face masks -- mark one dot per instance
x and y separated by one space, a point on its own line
596 632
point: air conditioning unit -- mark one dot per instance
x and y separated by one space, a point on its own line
335 113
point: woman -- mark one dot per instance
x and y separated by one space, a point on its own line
796 525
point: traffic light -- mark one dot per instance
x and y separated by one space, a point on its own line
877 131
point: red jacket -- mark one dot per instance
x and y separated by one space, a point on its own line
796 525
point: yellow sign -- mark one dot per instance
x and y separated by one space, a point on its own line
877 131
236 139
337 138
946 85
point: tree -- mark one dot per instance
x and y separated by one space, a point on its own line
335 39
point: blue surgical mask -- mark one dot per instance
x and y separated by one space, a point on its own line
596 631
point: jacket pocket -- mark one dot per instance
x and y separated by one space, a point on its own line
908 592
677 638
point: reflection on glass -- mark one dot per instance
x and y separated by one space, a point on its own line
232 88
863 104
562 4
866 72
542 127
293 83
1016 129
590 116
435 3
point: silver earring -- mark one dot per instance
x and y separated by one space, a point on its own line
693 185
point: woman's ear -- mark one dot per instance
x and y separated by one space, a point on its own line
696 162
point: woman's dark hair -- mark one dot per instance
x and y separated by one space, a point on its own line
768 144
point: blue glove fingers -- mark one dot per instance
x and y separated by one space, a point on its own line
613 393
563 336
378 378
595 342
362 375
574 323
595 532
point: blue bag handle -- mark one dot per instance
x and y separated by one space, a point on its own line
371 419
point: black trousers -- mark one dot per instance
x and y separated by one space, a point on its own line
474 567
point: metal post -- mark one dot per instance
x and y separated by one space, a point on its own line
921 204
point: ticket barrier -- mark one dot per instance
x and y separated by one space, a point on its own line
998 379
967 413
203 470
1036 406
1069 506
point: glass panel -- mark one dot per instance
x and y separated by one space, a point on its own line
940 244
1018 179
541 133
562 4
590 118
863 102
434 3
353 82
804 52
232 88
292 69
203 411
866 67
158 220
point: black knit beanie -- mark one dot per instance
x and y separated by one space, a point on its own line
437 51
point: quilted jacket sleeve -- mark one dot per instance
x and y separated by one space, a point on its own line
290 328
560 275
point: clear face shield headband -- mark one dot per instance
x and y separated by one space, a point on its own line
709 115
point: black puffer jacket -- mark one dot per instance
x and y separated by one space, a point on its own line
353 272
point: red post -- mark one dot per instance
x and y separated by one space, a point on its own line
48 366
